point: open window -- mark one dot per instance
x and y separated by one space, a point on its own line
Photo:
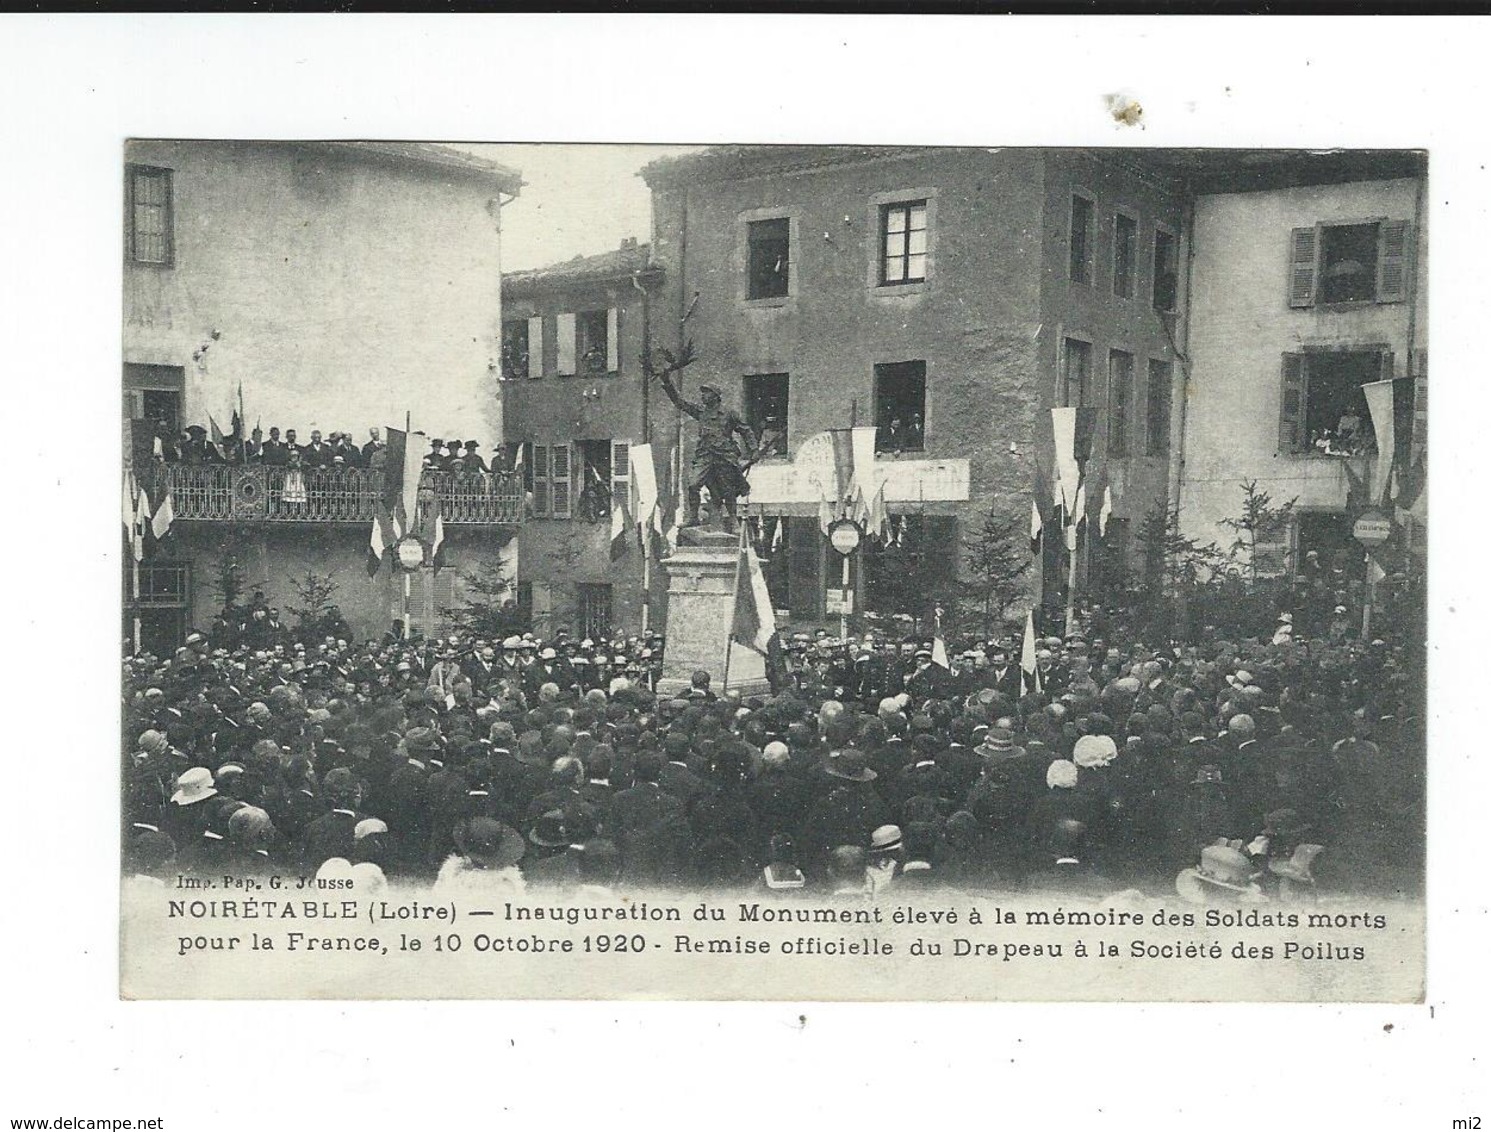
597 346
900 406
514 349
1360 262
1323 411
766 409
595 478
769 248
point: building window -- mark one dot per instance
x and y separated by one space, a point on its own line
1076 371
1125 254
769 243
595 479
546 475
594 600
157 619
1166 270
903 231
1120 401
1348 263
1322 409
605 476
151 223
900 406
594 345
766 410
1157 408
1080 267
514 349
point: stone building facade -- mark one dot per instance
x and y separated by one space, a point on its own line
324 286
950 298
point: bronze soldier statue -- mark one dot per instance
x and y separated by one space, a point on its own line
718 464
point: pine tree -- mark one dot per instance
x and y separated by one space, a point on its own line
314 591
1261 523
996 558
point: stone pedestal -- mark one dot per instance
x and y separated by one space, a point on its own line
701 609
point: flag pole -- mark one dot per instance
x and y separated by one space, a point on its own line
407 419
1071 578
646 576
844 593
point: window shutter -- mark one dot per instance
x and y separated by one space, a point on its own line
536 346
1392 261
1303 244
565 324
621 473
613 340
446 597
1292 406
559 460
540 466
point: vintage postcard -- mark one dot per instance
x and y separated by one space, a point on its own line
773 572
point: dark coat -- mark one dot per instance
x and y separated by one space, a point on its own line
847 816
328 836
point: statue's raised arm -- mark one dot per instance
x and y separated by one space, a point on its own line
672 365
717 465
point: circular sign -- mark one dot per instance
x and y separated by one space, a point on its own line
1372 528
844 536
411 553
814 465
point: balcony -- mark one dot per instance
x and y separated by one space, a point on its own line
327 495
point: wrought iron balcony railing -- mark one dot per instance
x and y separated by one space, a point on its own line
327 495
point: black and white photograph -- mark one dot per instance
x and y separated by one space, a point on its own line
855 570
1011 540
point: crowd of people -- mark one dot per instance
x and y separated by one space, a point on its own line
1269 768
193 446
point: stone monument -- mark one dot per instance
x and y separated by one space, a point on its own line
701 610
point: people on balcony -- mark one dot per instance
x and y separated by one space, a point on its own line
195 448
451 458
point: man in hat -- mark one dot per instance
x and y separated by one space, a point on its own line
851 811
196 449
189 812
650 824
928 681
471 460
435 458
717 463
484 863
332 834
